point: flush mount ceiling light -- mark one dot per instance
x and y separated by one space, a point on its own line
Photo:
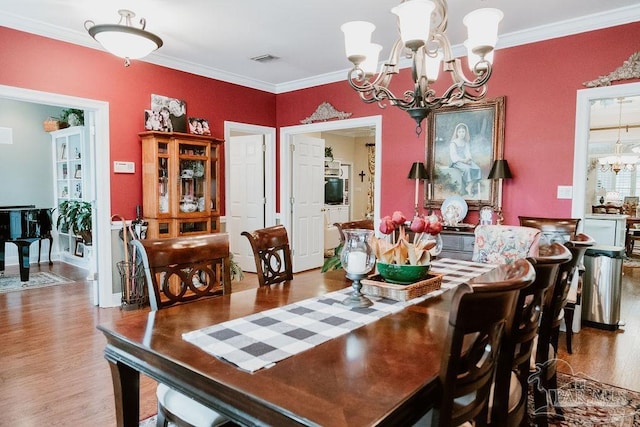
123 39
422 25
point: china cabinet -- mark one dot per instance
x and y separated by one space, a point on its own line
70 183
181 183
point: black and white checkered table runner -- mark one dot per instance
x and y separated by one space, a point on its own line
260 340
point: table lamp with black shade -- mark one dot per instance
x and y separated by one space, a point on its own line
417 172
500 170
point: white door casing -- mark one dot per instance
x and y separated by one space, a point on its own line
287 175
97 117
307 203
246 195
265 180
581 150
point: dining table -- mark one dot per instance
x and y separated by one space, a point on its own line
382 373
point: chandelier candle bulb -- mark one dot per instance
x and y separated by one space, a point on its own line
415 18
432 65
370 64
357 39
482 28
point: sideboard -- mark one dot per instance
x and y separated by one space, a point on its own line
457 244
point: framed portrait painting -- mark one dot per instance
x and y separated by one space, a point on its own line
462 144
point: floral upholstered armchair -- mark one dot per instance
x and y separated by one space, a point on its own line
503 244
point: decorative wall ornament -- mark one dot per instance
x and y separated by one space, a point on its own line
371 163
630 69
324 112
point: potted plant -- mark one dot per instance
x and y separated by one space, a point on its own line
236 271
328 153
72 116
75 216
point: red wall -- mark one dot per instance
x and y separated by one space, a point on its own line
539 82
43 64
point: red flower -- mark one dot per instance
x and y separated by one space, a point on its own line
387 225
398 218
418 225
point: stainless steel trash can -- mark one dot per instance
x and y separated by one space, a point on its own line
602 286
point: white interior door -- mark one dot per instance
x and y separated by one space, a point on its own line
246 195
307 202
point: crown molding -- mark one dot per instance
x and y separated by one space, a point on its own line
592 22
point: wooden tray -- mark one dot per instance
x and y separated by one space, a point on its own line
376 286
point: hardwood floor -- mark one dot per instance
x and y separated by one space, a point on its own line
52 369
611 357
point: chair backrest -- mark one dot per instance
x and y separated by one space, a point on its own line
556 298
366 224
516 351
183 269
272 254
503 244
553 229
606 209
481 312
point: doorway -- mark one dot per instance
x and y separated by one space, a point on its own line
585 98
97 119
287 175
250 203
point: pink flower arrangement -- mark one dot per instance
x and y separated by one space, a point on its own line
402 251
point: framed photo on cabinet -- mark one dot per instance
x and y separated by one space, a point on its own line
199 126
462 144
79 251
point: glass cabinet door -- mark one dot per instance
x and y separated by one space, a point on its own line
193 180
163 177
213 196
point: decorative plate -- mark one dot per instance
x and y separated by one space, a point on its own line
458 203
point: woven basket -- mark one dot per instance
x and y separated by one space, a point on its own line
377 287
53 124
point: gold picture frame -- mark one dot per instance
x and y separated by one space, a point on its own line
477 130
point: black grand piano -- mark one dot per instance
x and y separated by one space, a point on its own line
23 225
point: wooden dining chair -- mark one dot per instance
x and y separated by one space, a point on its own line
503 244
545 376
177 271
553 229
272 254
366 224
561 230
509 405
481 312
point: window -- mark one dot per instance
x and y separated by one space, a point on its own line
625 182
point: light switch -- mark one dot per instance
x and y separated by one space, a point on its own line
124 167
565 192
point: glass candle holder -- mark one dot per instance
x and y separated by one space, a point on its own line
357 260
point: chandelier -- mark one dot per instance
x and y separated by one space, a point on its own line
422 25
618 161
123 39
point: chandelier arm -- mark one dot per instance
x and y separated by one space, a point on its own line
441 10
373 91
420 99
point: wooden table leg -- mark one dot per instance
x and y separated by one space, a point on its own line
126 391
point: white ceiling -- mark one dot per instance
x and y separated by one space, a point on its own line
217 38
